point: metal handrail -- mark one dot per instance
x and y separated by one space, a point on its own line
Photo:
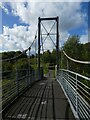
14 85
77 92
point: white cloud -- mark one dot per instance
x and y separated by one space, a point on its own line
69 13
4 8
84 38
19 38
45 0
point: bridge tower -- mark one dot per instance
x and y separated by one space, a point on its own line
40 20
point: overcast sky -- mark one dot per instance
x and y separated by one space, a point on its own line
20 22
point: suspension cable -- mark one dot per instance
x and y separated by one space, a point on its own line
77 61
42 42
13 58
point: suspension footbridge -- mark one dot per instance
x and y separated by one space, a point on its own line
33 96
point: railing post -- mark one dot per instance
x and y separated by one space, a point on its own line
56 71
76 95
29 66
27 77
32 75
62 80
67 78
17 83
61 75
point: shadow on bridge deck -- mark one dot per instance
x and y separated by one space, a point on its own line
45 100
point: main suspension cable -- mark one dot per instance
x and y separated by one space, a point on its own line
15 57
74 60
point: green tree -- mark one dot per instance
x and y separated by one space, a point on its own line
21 64
86 51
46 57
71 46
78 51
53 56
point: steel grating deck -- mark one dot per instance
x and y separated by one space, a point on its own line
45 100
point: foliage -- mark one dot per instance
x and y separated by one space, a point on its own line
46 57
11 54
77 51
8 67
21 64
72 47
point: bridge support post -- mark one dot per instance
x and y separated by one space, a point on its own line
57 42
29 67
39 47
56 19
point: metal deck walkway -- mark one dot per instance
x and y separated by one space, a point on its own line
45 100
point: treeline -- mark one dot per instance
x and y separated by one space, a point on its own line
72 47
18 63
77 51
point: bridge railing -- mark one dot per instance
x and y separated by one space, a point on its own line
77 89
15 83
